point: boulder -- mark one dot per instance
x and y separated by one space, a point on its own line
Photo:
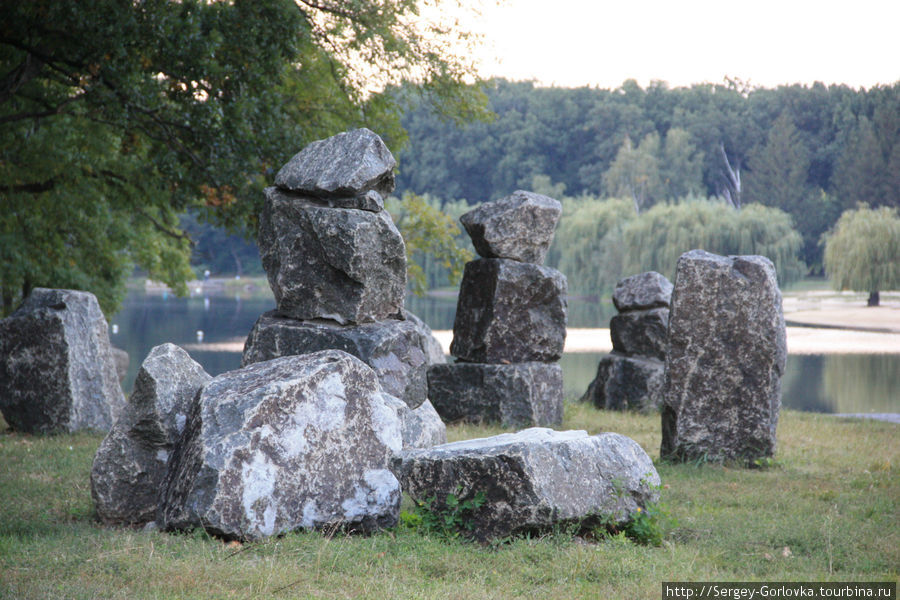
509 312
298 442
627 383
642 291
640 332
57 372
329 263
515 395
534 480
519 227
130 464
394 349
421 427
348 164
725 359
434 352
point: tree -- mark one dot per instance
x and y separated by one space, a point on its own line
116 117
635 173
862 252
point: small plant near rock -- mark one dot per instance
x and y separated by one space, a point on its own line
446 521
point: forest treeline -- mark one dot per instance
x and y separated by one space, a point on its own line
810 151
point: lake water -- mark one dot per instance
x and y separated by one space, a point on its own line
833 383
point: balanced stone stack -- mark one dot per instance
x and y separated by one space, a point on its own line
337 266
57 372
510 323
631 377
725 359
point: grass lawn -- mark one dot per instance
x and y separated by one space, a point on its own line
828 509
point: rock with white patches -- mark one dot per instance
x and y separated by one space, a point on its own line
131 462
297 442
533 480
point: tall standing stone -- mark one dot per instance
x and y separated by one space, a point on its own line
57 372
130 464
725 359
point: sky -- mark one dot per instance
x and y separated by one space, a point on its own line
601 43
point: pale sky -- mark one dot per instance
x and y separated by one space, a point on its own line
601 43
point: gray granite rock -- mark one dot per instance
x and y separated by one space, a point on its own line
298 442
519 227
642 291
421 427
130 464
627 383
509 312
640 332
434 352
534 480
341 264
348 164
57 372
515 395
394 349
725 359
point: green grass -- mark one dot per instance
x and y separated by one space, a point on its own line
832 499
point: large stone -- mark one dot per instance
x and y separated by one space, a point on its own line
422 427
130 464
519 227
627 383
122 360
515 395
640 332
330 263
642 291
394 349
534 480
298 442
509 312
434 352
725 359
57 372
348 164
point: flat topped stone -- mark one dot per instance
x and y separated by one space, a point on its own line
347 164
534 480
726 356
519 227
299 442
57 372
642 291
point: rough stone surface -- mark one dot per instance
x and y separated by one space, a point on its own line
298 442
57 373
725 359
640 332
534 479
394 349
421 427
122 360
509 311
519 227
642 291
341 264
515 395
627 383
347 164
130 464
434 352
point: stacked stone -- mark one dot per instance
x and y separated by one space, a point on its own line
510 322
631 377
337 267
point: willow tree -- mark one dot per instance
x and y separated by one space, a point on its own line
656 239
116 117
862 252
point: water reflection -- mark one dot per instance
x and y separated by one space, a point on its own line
832 383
